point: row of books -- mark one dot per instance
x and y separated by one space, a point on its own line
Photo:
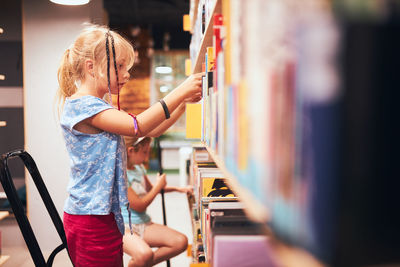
213 102
202 19
223 233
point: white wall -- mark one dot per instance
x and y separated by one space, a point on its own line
48 29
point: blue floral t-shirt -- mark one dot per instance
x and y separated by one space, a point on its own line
97 183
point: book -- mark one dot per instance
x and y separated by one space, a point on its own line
243 251
215 187
193 121
217 42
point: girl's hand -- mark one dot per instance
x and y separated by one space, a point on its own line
192 85
193 98
187 189
161 181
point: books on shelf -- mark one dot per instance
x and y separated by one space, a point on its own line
201 155
221 209
298 115
217 209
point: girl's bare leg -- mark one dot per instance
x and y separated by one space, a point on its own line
141 253
169 242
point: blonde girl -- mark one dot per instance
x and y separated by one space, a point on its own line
95 65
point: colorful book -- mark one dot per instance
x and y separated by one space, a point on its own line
243 251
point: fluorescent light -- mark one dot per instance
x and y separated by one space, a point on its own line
1 30
2 77
163 70
71 2
164 88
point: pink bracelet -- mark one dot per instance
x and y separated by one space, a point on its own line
135 124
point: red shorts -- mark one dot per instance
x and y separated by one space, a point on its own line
93 240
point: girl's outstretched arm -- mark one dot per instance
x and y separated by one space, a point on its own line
159 130
120 122
174 116
186 189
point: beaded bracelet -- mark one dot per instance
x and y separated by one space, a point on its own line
166 111
135 124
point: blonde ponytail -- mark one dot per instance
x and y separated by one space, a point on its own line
66 81
66 76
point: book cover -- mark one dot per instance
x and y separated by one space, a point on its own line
193 121
215 187
243 251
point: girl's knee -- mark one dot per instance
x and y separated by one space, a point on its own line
143 257
181 242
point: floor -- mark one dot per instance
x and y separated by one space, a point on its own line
178 218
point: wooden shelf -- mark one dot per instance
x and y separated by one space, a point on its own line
3 259
254 209
3 214
207 38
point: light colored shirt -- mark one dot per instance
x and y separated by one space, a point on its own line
137 183
97 184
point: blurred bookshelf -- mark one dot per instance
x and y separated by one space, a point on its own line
297 97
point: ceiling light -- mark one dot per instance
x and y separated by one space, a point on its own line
1 30
163 70
71 2
2 77
3 123
164 88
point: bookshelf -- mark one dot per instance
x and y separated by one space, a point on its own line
296 120
255 207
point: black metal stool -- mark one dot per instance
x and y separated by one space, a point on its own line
18 209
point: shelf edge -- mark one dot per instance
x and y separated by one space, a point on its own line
253 208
